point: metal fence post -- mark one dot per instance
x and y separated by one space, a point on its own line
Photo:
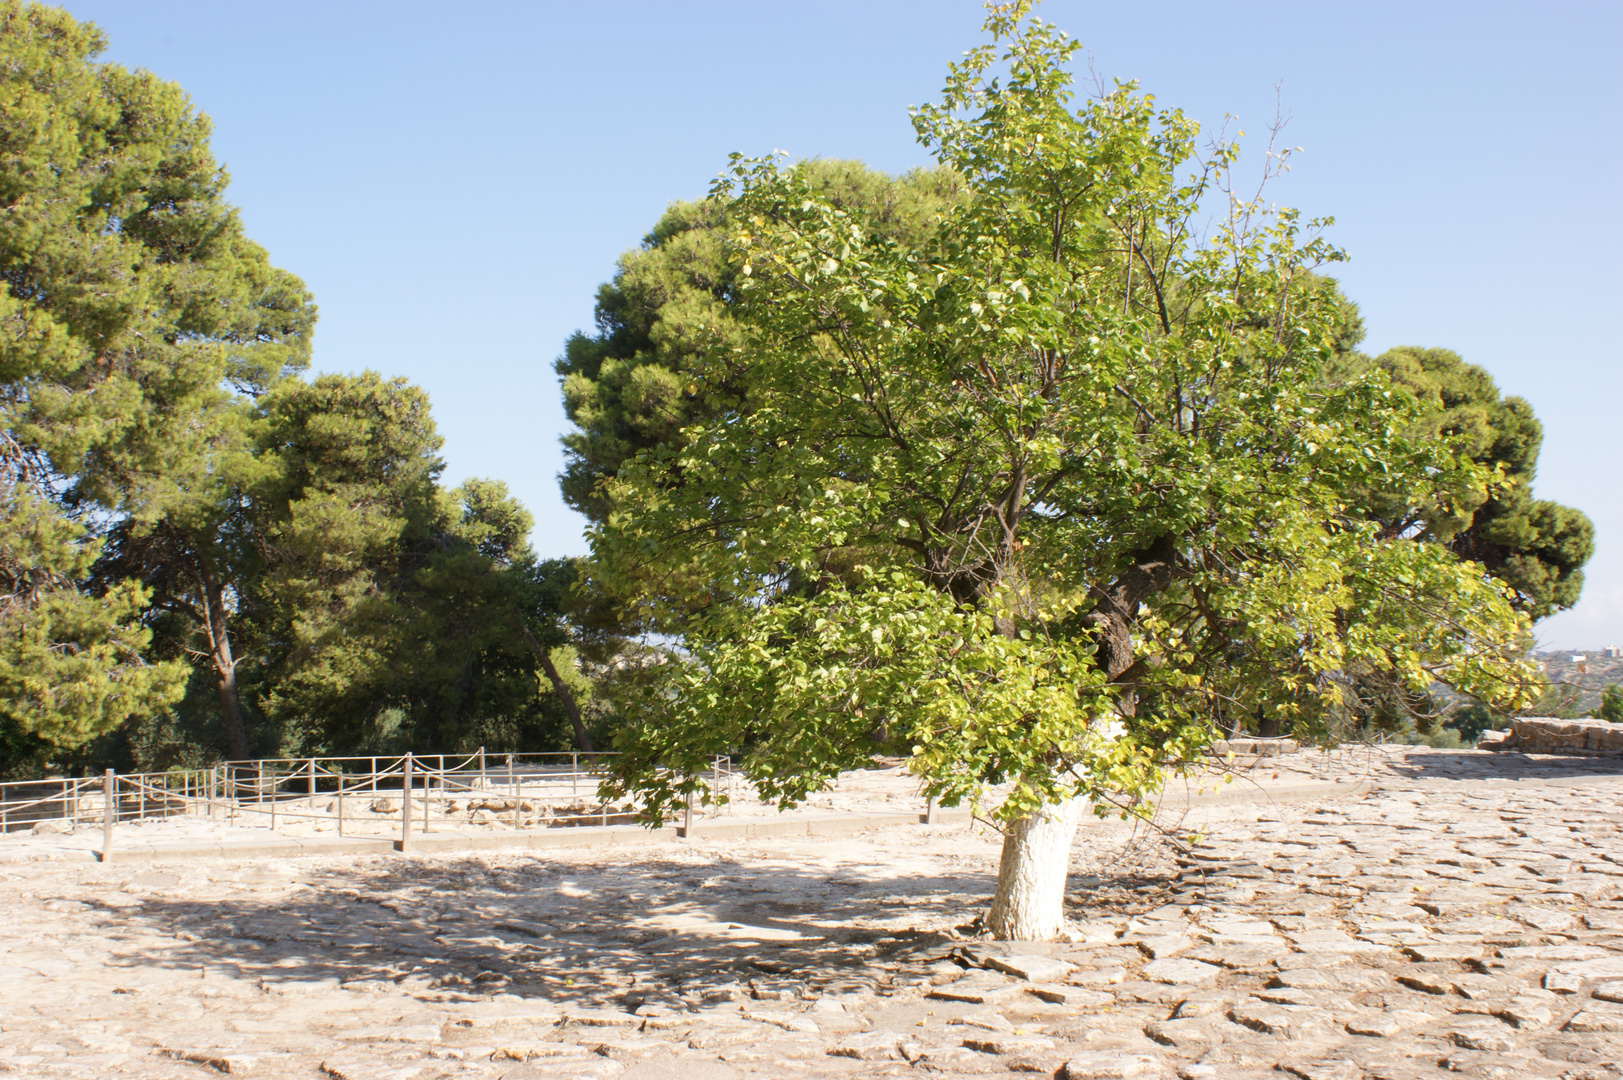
109 787
512 786
312 784
481 768
428 791
405 804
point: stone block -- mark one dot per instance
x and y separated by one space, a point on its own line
1032 968
977 988
1104 1065
1548 735
1177 971
869 1046
1597 1017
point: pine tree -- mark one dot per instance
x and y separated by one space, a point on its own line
140 319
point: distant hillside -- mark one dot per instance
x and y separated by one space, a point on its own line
1595 674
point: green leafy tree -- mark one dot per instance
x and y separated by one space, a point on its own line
391 611
72 664
347 521
1472 720
198 555
498 618
629 387
1611 704
1535 546
138 313
1038 498
544 596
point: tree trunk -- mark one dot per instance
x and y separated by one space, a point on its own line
583 742
225 667
1152 569
1030 900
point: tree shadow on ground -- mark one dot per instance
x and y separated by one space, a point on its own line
574 935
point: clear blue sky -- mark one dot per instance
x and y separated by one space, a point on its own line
454 180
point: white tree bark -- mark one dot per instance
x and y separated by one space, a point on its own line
1030 900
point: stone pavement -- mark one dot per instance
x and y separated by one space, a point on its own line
1454 913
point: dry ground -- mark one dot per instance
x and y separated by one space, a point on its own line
1463 917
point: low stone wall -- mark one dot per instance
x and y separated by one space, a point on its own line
1548 735
1254 747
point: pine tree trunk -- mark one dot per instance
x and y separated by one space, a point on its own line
236 732
583 742
225 668
1030 900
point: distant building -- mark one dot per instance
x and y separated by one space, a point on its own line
1613 652
1579 662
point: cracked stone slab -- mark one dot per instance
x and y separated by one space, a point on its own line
364 1069
1604 967
1292 1022
231 1062
1010 1044
1490 1036
1180 971
1100 1065
976 988
1597 1016
1192 1032
1032 968
869 1046
1387 1023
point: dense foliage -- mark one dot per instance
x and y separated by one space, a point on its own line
1535 546
202 553
1050 493
134 307
630 386
1001 465
1611 704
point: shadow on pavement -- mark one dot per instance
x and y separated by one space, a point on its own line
570 934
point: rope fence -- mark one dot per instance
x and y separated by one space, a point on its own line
353 796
